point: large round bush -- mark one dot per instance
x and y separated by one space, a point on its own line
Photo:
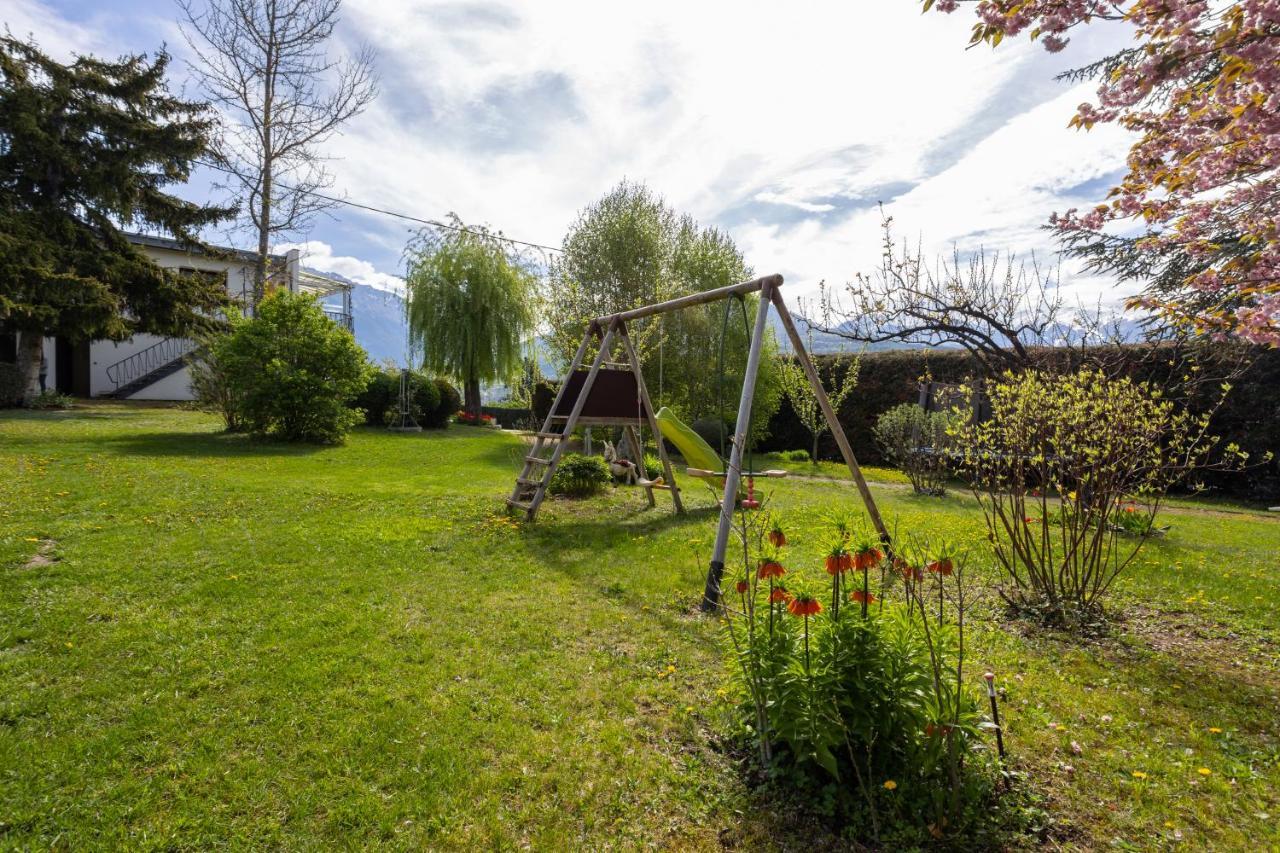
294 371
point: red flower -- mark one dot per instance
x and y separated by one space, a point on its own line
776 537
1026 519
868 558
839 561
770 569
942 566
804 605
908 571
743 586
779 595
860 597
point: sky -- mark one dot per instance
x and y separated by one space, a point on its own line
786 125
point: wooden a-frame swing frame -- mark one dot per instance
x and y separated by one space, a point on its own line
557 428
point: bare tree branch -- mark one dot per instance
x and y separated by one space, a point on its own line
263 63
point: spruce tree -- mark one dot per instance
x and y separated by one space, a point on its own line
87 149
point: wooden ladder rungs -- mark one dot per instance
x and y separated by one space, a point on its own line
516 503
526 482
550 435
537 459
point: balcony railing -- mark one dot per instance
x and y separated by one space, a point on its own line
341 318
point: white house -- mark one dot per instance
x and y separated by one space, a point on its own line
148 367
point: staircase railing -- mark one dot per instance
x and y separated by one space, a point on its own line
144 361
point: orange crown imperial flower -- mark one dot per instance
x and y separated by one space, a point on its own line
868 557
942 566
743 586
776 537
779 595
804 605
770 569
839 561
860 597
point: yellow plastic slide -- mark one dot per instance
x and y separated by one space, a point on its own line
696 452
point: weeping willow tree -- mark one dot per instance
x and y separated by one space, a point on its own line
471 301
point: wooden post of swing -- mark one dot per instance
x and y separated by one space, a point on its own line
733 474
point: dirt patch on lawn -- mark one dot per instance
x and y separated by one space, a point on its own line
46 555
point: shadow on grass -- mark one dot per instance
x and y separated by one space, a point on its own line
221 445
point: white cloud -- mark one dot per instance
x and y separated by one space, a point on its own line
319 255
783 124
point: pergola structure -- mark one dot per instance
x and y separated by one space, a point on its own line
614 394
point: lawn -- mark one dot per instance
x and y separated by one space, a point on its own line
206 641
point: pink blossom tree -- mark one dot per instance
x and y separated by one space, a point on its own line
1201 88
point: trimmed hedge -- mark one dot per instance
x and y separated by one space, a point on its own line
1250 417
509 417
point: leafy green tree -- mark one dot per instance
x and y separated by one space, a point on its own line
804 402
471 302
83 148
292 371
630 249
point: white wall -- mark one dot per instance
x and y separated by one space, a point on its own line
103 354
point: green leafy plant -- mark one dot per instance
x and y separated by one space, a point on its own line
868 701
652 466
579 476
1093 442
804 401
293 371
50 399
209 385
795 456
916 441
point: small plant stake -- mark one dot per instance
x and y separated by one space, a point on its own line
990 678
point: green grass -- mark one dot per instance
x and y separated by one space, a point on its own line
240 644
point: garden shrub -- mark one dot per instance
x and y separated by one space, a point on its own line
579 476
796 455
449 403
11 384
851 686
709 429
540 400
916 442
51 399
652 466
1060 458
381 393
293 371
424 400
209 385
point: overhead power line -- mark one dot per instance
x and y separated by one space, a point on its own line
431 222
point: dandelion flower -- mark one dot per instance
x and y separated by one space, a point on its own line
890 785
1138 774
1214 730
1204 771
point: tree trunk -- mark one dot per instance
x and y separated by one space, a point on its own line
264 237
30 354
471 397
814 458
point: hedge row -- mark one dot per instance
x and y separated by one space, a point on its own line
1250 417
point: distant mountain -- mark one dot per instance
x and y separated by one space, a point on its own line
379 323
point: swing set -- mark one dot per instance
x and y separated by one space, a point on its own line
613 394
